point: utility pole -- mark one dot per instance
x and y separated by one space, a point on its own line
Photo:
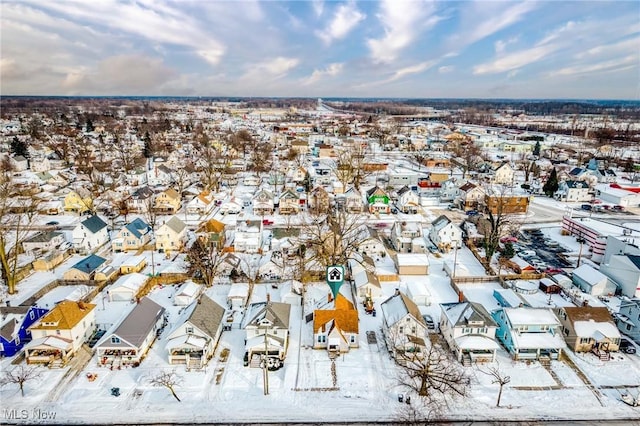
455 257
265 364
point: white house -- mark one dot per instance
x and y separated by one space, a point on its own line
247 237
171 235
267 331
503 174
57 335
129 342
469 331
407 237
445 234
364 279
193 340
573 191
90 234
408 200
402 323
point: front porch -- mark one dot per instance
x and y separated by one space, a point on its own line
49 351
117 358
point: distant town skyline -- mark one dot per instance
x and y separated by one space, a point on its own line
392 48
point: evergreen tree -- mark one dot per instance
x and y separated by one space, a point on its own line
19 147
508 251
147 151
536 149
551 185
89 125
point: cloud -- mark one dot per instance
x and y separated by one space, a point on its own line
446 69
501 45
402 21
331 70
612 65
270 69
121 75
318 7
413 69
515 60
346 18
482 19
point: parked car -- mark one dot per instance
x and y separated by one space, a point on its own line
428 319
627 346
618 208
553 270
472 213
586 207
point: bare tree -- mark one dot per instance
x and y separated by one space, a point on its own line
332 239
204 260
468 156
18 211
19 376
350 167
167 379
433 374
250 266
499 378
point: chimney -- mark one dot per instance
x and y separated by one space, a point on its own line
460 296
268 297
81 305
329 297
397 292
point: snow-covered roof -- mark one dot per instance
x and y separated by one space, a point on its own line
531 316
589 275
476 343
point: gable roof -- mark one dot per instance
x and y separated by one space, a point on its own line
90 263
635 259
43 237
467 186
344 316
399 305
136 226
376 190
463 313
275 312
172 193
440 222
588 313
94 224
212 225
175 224
65 315
135 328
207 315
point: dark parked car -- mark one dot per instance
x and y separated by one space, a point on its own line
428 319
627 346
586 207
473 213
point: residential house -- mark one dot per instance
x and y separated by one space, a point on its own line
589 329
573 191
263 204
445 234
500 203
79 201
201 204
503 174
470 331
412 263
628 318
319 200
43 241
470 196
336 330
231 206
58 334
167 202
214 233
406 237
90 234
84 270
403 326
529 333
408 200
160 174
141 201
364 278
171 236
371 244
592 281
193 340
127 287
133 236
378 201
624 269
418 291
247 238
353 202
128 343
136 177
289 202
238 296
267 331
14 327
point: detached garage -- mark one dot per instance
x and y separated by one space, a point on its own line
126 287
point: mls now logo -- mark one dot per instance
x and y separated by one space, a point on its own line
335 274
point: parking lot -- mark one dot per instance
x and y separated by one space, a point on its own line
543 253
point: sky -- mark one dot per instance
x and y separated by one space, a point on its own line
316 48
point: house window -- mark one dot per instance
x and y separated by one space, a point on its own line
466 330
189 330
322 339
628 327
115 339
58 332
353 339
400 330
585 340
482 330
31 315
413 331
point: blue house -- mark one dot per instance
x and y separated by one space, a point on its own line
628 318
529 333
13 327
